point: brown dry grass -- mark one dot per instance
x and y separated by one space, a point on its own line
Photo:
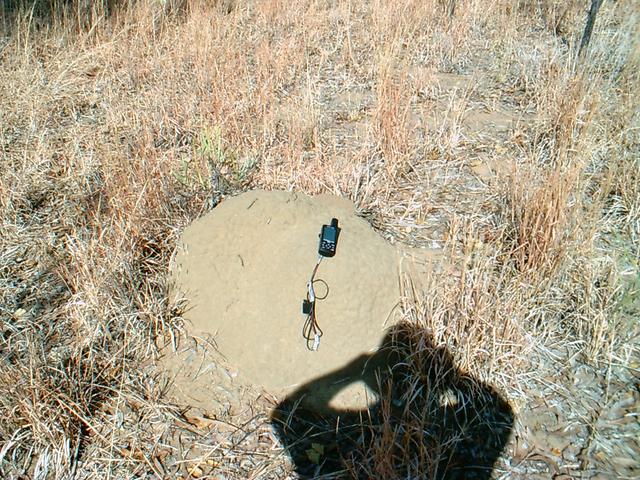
120 123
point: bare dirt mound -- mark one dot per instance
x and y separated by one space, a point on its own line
244 269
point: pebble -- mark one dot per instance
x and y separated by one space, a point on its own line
571 452
547 420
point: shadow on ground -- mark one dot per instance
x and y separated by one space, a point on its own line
431 420
81 14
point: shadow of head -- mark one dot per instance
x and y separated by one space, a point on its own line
430 419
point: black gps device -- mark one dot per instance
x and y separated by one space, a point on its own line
329 239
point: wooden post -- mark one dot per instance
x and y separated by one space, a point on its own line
588 29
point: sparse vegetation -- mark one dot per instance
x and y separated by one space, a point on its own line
466 125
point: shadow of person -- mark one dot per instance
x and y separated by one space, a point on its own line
430 420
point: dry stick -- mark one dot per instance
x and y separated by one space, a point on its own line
451 8
588 29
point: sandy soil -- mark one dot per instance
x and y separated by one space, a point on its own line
244 268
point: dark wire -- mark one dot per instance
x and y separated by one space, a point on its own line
311 329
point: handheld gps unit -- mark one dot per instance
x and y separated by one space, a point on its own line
329 239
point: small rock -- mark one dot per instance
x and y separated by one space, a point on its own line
570 454
549 442
558 442
545 419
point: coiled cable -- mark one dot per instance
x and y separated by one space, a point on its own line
311 331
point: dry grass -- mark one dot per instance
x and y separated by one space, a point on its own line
122 122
